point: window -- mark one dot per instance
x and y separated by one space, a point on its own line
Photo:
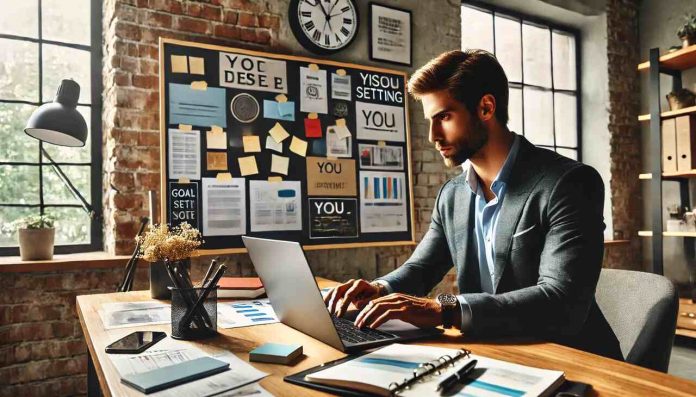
41 43
541 64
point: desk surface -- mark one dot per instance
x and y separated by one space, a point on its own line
607 377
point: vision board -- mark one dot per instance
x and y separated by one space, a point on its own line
283 147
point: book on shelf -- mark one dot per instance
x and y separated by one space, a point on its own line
240 287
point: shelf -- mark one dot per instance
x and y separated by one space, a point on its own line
689 333
686 326
678 60
616 242
648 233
671 175
671 113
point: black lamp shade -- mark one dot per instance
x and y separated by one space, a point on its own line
59 122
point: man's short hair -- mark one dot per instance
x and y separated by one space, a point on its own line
468 76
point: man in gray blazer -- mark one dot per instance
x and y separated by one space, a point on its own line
522 225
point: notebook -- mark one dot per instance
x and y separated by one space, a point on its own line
173 375
240 287
412 370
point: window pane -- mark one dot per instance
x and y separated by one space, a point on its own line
570 153
537 55
65 63
66 20
65 154
20 18
56 192
9 214
566 119
72 225
19 70
19 184
477 29
538 116
16 145
563 61
508 47
515 110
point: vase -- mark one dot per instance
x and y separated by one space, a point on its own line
36 244
160 280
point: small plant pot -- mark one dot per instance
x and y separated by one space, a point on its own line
688 41
36 244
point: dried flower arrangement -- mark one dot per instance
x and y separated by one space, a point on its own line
173 243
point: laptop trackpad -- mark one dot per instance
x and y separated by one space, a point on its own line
406 330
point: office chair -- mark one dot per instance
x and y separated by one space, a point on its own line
641 309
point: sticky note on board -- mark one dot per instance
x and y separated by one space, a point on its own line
217 161
341 72
273 145
251 144
279 111
197 65
185 127
199 85
298 146
223 176
312 128
278 133
216 139
247 165
274 179
342 131
179 64
287 110
279 164
281 98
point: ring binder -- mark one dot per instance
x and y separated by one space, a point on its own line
433 367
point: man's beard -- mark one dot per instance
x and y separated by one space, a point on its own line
467 148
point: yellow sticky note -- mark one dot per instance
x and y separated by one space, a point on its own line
252 144
281 98
185 127
223 176
279 164
199 85
341 122
197 65
274 179
313 67
216 139
184 180
278 133
179 64
341 72
381 143
298 146
247 165
312 116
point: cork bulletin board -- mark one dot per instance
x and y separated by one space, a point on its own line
283 147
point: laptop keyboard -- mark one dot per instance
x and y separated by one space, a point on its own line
350 333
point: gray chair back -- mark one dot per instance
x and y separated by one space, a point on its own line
641 309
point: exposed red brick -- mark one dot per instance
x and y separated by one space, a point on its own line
192 25
148 181
149 139
122 180
229 32
231 17
248 19
269 21
248 34
211 13
126 201
150 81
263 36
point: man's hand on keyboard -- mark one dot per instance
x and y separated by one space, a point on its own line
421 312
359 292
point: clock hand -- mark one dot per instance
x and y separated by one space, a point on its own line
332 7
321 6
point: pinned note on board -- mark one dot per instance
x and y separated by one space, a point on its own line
281 98
279 164
216 138
278 133
247 165
251 144
197 65
298 146
179 64
313 67
185 127
223 176
199 85
184 180
275 179
312 128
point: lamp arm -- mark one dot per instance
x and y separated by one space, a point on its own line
76 193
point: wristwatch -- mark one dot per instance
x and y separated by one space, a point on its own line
382 290
449 304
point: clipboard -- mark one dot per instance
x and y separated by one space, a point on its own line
569 388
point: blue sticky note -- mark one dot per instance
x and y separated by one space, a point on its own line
197 107
272 110
276 349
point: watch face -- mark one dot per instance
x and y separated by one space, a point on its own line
447 299
324 26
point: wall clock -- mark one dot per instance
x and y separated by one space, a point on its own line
324 26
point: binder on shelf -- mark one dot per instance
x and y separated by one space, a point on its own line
686 143
669 146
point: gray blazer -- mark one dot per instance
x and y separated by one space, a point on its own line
549 246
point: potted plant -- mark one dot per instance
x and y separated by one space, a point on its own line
687 33
35 234
175 244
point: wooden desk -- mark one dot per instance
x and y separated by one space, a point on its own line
607 377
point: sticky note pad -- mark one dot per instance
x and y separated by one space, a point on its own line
275 353
179 64
247 166
251 143
312 128
279 164
216 140
273 145
197 65
278 133
298 146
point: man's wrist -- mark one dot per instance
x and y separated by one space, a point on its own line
381 288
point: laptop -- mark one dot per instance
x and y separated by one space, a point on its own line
298 303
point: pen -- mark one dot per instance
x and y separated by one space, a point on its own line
209 272
457 377
212 284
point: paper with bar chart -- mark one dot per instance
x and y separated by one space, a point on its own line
245 313
383 202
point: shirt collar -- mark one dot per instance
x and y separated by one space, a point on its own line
504 173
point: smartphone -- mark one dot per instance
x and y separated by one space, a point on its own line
137 342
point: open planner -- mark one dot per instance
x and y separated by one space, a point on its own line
414 370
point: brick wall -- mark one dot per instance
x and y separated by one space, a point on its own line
625 140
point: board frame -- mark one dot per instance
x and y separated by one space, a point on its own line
308 247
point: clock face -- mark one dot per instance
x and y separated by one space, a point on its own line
324 26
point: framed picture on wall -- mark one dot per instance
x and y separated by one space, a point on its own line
390 34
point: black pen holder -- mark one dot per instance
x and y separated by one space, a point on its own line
199 325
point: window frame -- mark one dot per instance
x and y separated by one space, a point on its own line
551 26
95 165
